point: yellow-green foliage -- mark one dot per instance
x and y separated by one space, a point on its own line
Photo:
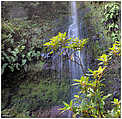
90 98
115 49
61 42
104 59
97 73
103 21
105 17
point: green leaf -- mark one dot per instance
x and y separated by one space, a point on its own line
62 108
3 67
17 66
71 103
116 101
67 105
105 97
90 70
11 68
89 74
24 61
60 35
76 80
22 47
23 55
65 34
51 52
100 63
76 96
75 84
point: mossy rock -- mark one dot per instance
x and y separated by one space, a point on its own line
5 93
8 113
22 115
12 112
31 96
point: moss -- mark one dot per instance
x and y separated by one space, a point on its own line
5 97
8 113
12 112
35 67
32 96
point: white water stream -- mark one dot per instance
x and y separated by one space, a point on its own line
73 32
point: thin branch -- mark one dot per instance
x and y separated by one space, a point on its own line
80 64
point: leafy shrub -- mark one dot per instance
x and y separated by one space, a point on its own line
111 20
103 22
61 43
90 100
12 112
18 44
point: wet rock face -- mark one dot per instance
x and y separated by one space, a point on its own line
5 97
47 66
48 62
17 9
94 38
52 113
17 12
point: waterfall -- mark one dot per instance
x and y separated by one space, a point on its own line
67 69
73 29
73 32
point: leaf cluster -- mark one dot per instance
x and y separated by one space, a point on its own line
16 50
90 98
61 42
111 20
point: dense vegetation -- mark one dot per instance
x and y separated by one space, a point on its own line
22 40
90 98
103 26
27 42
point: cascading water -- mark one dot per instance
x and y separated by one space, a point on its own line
73 32
70 70
74 26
